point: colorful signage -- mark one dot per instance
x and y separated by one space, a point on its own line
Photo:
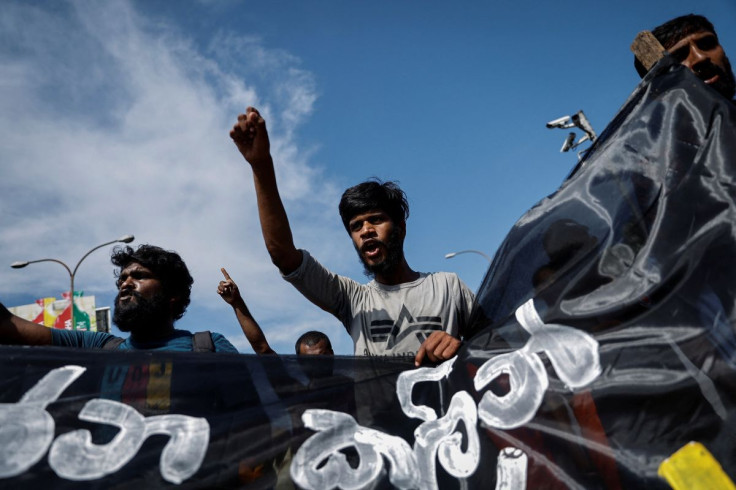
57 314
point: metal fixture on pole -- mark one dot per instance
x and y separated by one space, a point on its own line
577 120
72 273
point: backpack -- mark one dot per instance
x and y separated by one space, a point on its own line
201 342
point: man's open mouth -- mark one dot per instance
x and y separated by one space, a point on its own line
371 248
125 296
711 80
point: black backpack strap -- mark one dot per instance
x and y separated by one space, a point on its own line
113 343
202 342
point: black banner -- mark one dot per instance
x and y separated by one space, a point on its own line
603 356
124 419
619 292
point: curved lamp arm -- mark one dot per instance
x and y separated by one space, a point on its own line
453 254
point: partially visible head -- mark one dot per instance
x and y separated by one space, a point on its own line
313 343
693 41
674 30
167 267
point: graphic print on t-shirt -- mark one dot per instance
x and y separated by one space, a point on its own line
393 332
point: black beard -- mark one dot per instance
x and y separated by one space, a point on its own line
394 256
728 88
140 314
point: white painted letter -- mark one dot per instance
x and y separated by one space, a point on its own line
26 428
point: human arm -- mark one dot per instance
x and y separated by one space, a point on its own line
16 330
251 138
230 293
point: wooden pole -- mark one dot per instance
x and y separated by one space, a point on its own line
647 49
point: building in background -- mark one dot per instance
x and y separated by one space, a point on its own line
104 319
57 313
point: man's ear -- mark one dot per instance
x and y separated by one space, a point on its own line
402 227
173 302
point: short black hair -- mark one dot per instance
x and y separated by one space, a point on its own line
672 31
374 194
313 337
166 265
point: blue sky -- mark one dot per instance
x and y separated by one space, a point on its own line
115 116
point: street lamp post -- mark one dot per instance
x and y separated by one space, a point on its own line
452 254
72 273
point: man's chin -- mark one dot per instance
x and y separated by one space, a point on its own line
369 266
122 304
132 326
726 82
724 86
127 317
373 262
123 323
374 268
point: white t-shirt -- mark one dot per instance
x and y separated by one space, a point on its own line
387 320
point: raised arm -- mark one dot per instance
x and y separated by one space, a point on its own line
229 292
251 138
16 330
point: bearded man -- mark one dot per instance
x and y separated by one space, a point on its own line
401 311
153 292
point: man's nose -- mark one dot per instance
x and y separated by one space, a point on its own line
695 56
367 229
127 283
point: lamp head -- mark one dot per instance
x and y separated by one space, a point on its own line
126 238
18 265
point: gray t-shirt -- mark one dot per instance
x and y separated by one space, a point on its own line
387 320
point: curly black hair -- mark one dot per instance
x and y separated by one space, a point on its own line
374 194
166 265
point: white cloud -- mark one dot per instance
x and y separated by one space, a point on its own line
113 123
